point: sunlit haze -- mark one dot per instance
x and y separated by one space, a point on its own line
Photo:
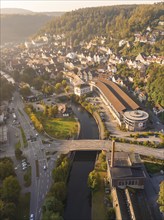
48 6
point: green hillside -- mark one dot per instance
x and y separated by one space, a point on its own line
113 22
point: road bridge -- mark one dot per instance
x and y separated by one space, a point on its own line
78 145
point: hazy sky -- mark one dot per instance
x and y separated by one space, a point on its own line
65 5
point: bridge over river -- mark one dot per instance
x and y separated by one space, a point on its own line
78 145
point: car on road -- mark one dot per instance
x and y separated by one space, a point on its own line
32 217
24 168
44 167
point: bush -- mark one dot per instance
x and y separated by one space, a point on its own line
59 191
104 165
18 153
111 214
94 180
102 156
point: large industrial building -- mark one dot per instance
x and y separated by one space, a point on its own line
122 107
126 177
125 169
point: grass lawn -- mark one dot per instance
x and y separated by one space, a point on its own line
153 167
27 177
99 210
60 128
18 145
23 208
23 137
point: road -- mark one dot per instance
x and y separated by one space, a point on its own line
35 152
71 145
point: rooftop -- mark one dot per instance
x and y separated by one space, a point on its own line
121 95
111 97
81 86
126 172
125 158
137 115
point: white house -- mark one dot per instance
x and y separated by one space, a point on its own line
82 89
141 97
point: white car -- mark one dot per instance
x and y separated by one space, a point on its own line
32 217
44 167
24 168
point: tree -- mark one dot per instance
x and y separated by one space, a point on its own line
6 168
25 91
52 204
67 88
57 174
10 211
18 153
6 89
54 110
94 180
58 87
102 156
56 216
64 82
38 83
161 197
16 76
50 111
49 215
60 173
2 208
45 110
59 190
28 75
111 214
10 189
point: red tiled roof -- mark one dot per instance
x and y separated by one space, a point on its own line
111 97
121 93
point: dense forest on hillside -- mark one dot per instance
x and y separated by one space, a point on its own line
155 84
115 22
6 91
15 28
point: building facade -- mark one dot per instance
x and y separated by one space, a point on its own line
136 120
82 89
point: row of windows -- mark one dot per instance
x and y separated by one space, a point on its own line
128 182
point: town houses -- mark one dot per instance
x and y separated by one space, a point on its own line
49 55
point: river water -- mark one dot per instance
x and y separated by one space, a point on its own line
88 126
78 206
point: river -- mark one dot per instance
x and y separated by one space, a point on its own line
78 205
88 125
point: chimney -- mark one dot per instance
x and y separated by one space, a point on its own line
112 154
